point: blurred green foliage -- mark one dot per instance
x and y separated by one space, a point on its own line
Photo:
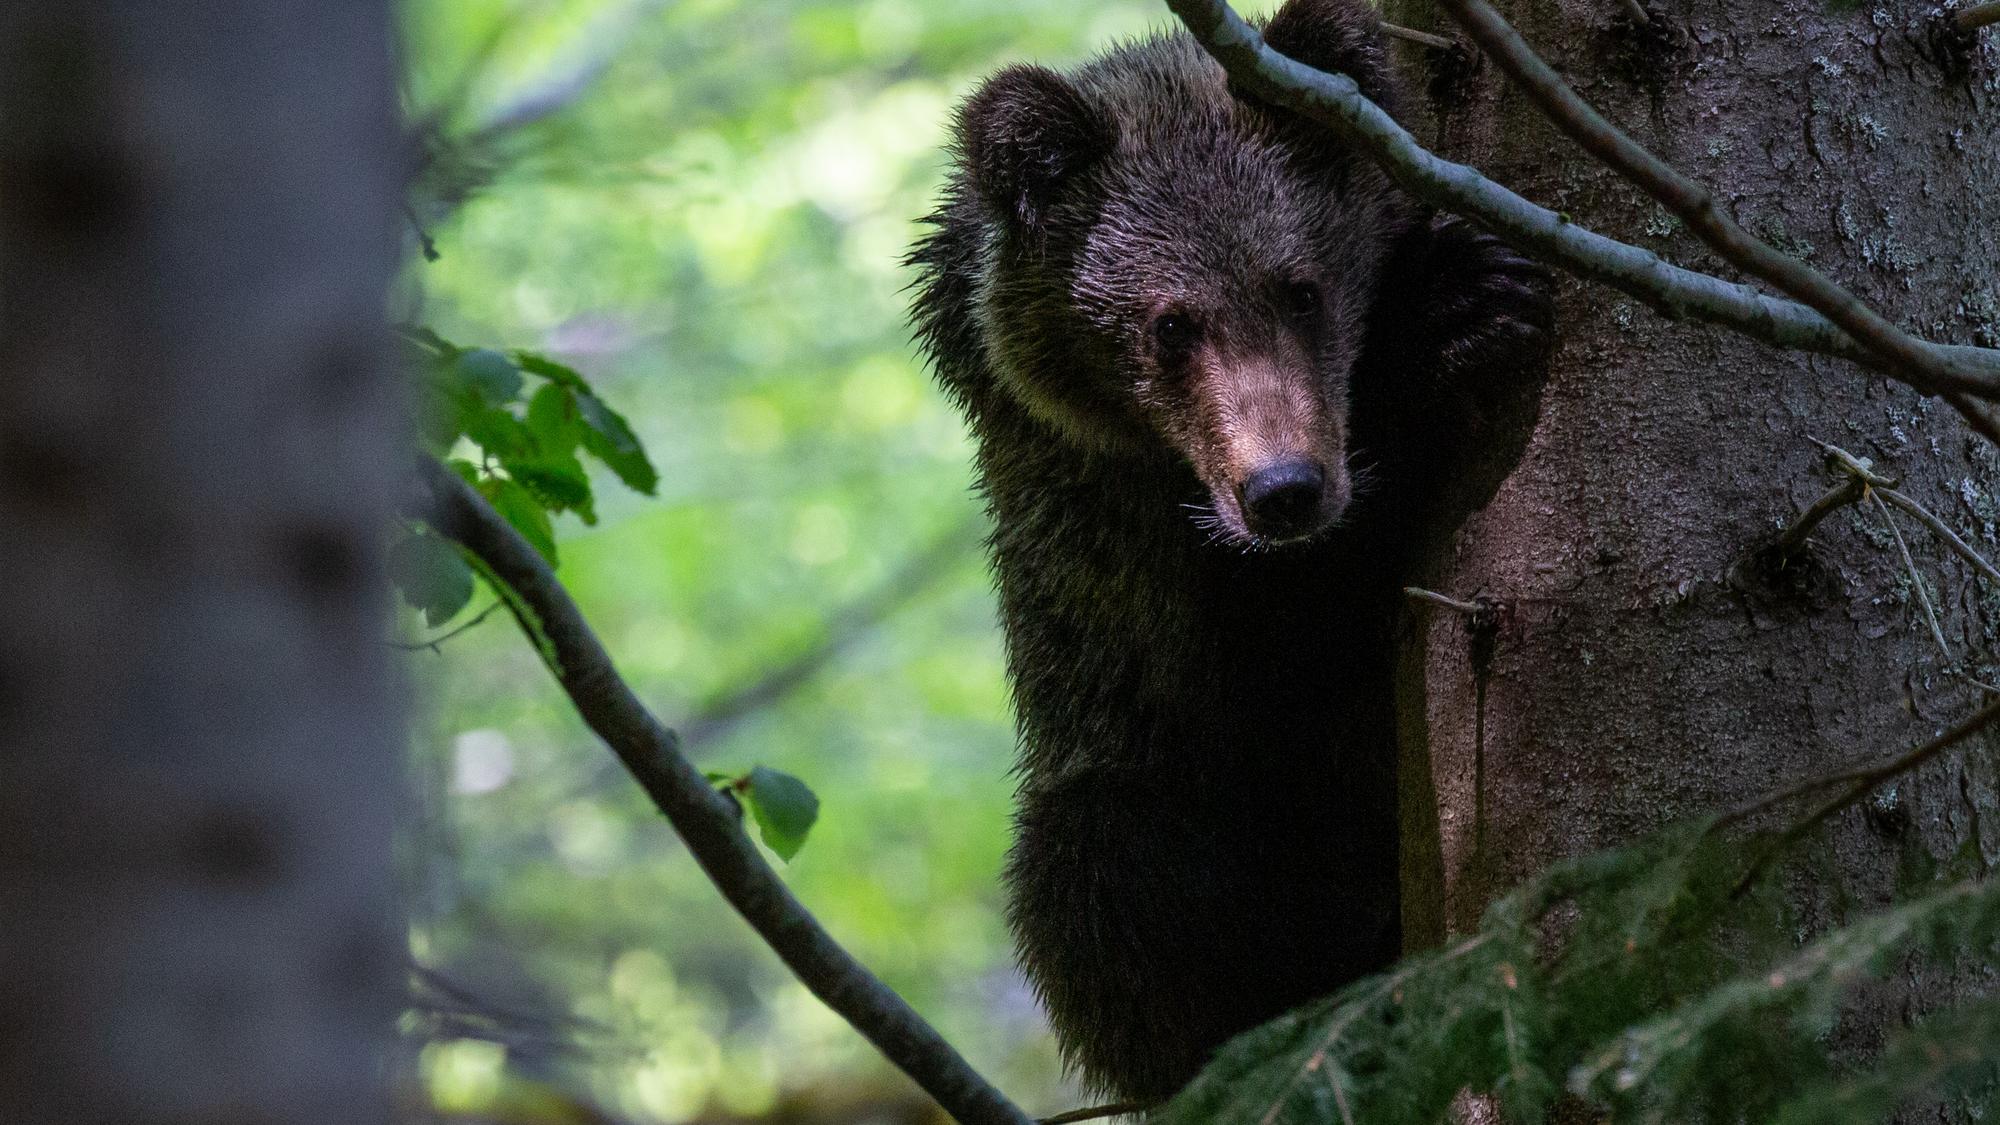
712 233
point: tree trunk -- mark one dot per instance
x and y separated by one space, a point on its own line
1630 684
198 748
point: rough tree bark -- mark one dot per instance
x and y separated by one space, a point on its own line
1631 685
198 749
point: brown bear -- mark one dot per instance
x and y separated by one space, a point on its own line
1224 379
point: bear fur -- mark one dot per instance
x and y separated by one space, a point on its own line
1226 382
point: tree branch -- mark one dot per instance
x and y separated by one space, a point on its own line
1938 528
1912 360
1336 101
1421 38
707 821
917 574
1972 19
1863 782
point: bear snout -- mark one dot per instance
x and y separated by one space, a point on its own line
1285 499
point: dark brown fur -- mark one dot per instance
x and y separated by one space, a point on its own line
1206 832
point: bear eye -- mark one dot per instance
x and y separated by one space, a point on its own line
1302 300
1174 333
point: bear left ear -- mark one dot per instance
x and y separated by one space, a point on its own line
1341 36
1025 134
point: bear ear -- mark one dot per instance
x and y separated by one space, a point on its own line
1341 36
1025 134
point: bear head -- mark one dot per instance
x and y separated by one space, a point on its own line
1171 265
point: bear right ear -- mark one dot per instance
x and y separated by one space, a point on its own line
1025 134
1339 36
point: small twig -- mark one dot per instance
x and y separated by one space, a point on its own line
558 89
424 243
702 817
1637 11
1863 781
914 577
1423 38
1885 487
1336 101
1912 360
1793 539
1916 578
1972 19
1092 1113
1939 529
1854 466
441 638
1443 601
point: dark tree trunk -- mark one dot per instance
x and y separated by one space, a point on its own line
198 750
1631 686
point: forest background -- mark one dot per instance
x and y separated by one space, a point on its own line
711 228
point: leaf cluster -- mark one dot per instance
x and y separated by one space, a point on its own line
521 444
1638 984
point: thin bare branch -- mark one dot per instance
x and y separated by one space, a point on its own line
914 577
1938 528
1442 601
1094 1112
433 645
707 821
1861 782
1793 539
1916 578
560 87
1422 38
1903 356
1336 101
1972 19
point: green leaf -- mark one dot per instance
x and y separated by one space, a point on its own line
489 375
553 472
431 575
560 374
497 431
519 507
439 414
611 440
783 807
557 483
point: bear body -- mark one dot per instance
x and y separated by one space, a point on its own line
1222 376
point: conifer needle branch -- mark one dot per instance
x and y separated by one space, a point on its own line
1860 783
706 820
1912 360
1337 102
1972 19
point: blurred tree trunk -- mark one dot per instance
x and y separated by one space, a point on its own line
1630 685
198 747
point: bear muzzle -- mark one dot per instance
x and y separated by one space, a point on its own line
1290 499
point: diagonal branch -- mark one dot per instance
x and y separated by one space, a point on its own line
1336 101
1693 203
1861 781
708 822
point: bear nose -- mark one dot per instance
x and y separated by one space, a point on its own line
1284 498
